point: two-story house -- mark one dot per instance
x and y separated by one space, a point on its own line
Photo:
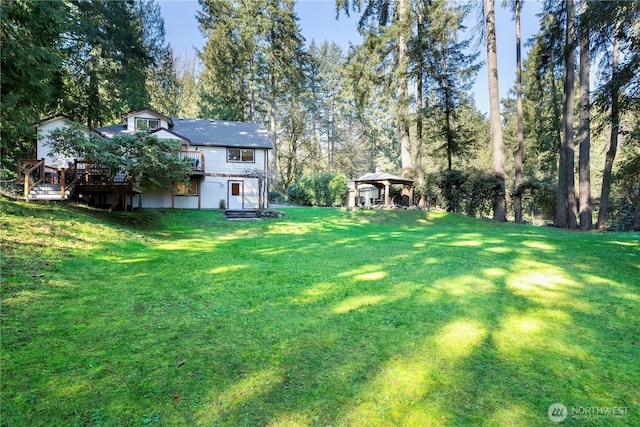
226 159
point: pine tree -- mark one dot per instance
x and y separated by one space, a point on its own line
387 28
31 53
252 47
517 198
499 208
615 128
450 75
566 209
584 137
614 26
108 65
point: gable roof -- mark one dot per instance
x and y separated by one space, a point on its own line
153 112
210 133
53 118
68 120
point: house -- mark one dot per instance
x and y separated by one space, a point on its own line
226 159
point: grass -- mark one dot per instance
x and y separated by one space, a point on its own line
324 317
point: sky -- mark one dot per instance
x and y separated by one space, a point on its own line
317 20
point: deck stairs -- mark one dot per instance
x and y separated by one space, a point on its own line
242 215
51 192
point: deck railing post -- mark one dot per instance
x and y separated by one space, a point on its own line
63 179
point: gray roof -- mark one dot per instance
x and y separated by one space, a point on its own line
377 177
214 133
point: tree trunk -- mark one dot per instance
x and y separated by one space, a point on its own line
419 105
272 130
499 208
116 194
252 94
561 196
405 141
447 113
584 137
566 178
613 141
517 199
93 100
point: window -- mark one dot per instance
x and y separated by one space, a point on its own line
187 190
235 189
147 124
244 155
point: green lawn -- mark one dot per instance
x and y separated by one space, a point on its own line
323 317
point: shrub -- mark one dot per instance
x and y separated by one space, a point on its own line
539 196
319 189
450 184
471 192
480 189
296 194
276 197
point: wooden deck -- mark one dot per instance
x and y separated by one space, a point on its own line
85 177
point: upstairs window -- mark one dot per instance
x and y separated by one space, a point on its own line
240 155
147 124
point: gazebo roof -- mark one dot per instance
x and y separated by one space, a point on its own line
382 178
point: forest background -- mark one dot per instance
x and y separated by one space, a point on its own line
562 146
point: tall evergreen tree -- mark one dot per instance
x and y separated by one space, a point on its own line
226 57
107 70
517 198
543 82
419 71
252 46
616 38
162 77
584 137
615 128
387 27
566 209
451 73
334 135
31 53
499 208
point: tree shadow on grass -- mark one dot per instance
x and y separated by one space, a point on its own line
276 324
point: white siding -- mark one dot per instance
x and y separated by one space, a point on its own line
250 193
212 191
216 161
43 146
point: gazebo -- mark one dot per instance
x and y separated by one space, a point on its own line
382 180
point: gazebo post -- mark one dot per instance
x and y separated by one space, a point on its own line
385 180
387 187
357 202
